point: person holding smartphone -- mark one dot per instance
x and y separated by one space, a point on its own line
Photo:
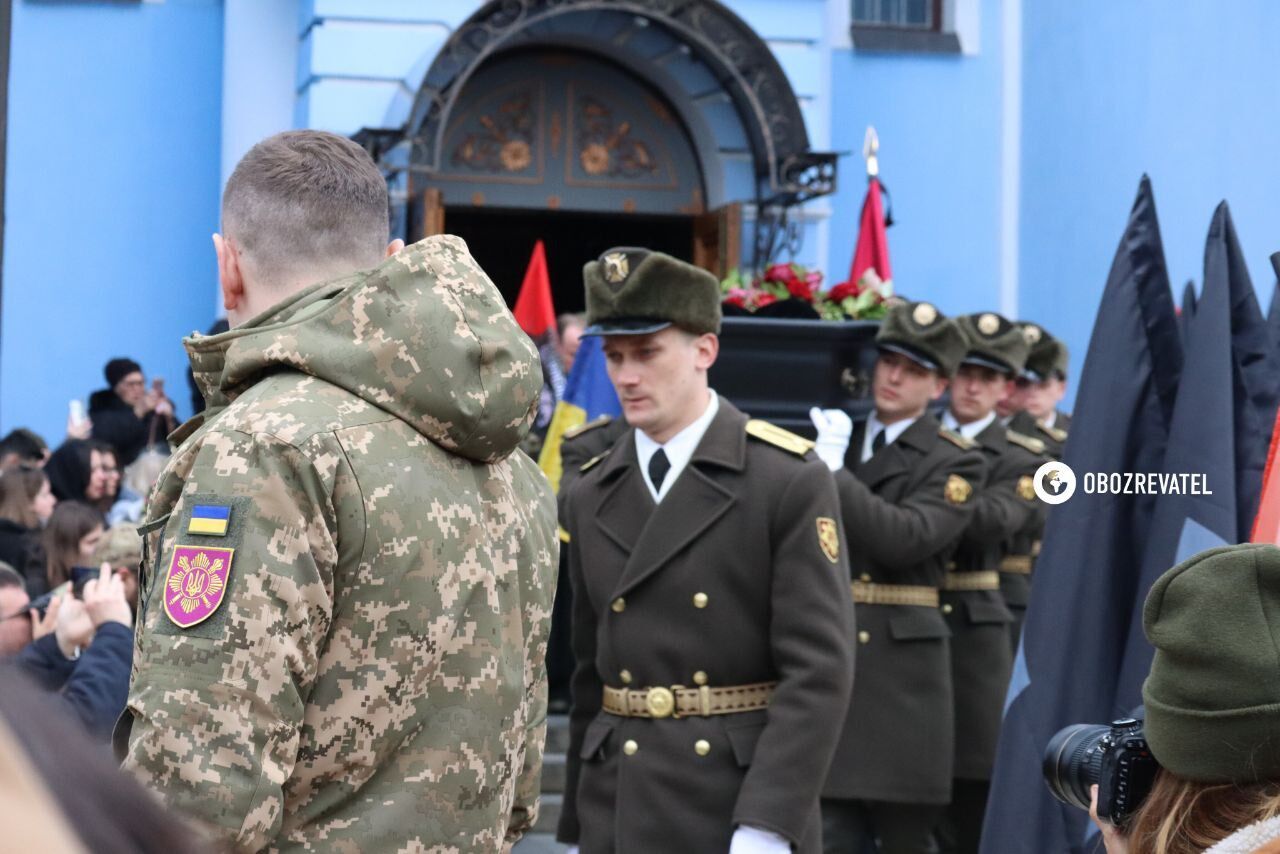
126 414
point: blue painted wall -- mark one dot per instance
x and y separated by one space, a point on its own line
112 188
938 118
1184 91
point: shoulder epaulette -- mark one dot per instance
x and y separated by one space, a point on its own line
590 425
1054 433
956 439
779 438
589 464
1031 443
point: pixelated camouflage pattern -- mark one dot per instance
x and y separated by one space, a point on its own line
375 681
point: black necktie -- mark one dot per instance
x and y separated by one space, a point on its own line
877 441
659 465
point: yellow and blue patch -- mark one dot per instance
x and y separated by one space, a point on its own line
211 520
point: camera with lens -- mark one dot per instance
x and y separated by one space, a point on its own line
1114 757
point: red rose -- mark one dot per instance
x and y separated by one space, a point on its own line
843 291
784 273
765 299
800 289
735 299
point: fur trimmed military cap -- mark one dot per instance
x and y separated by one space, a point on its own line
633 291
1048 356
994 342
1212 699
923 334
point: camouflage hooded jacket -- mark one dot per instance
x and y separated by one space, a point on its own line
348 573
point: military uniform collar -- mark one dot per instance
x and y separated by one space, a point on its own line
922 434
724 444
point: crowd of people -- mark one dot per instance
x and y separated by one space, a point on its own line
69 546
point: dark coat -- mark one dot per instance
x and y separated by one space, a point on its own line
115 423
95 686
21 548
740 526
897 743
1015 586
981 659
582 447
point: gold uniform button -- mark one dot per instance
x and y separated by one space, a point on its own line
702 747
619 605
700 600
866 576
947 609
629 747
700 678
864 637
625 676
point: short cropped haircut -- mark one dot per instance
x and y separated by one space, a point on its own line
305 199
9 577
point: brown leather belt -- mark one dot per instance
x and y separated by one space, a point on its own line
871 593
987 579
681 702
1020 564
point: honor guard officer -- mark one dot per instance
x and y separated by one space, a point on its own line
906 488
711 626
981 661
1042 384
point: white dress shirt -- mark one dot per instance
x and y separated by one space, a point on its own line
970 430
679 448
891 433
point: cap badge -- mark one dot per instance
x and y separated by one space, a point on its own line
924 314
988 324
616 267
1031 333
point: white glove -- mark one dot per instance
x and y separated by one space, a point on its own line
753 840
834 429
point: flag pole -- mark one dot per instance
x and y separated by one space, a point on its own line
870 151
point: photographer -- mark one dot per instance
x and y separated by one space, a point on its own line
87 657
1212 710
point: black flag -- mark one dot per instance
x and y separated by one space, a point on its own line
1087 574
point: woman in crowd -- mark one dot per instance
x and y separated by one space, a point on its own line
1212 709
139 477
84 470
70 539
26 502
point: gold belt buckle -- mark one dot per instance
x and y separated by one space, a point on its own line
660 702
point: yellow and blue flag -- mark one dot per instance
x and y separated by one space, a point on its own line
210 520
588 394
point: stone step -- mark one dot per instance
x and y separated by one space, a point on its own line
539 843
557 734
553 773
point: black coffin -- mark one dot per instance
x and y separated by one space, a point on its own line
777 369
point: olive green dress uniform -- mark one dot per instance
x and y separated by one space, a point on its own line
975 609
584 443
1047 356
728 596
904 509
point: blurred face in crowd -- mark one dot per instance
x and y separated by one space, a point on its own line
102 475
661 379
44 502
15 626
902 387
130 582
132 388
89 545
1016 400
975 392
1043 397
569 342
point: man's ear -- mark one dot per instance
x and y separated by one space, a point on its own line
940 385
708 349
230 274
394 246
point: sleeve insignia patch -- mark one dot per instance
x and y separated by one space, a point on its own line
1026 488
196 584
829 538
957 490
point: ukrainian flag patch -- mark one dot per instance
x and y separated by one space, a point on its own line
211 520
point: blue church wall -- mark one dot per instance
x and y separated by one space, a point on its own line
112 182
1184 92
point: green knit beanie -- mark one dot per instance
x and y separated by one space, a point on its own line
1213 694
